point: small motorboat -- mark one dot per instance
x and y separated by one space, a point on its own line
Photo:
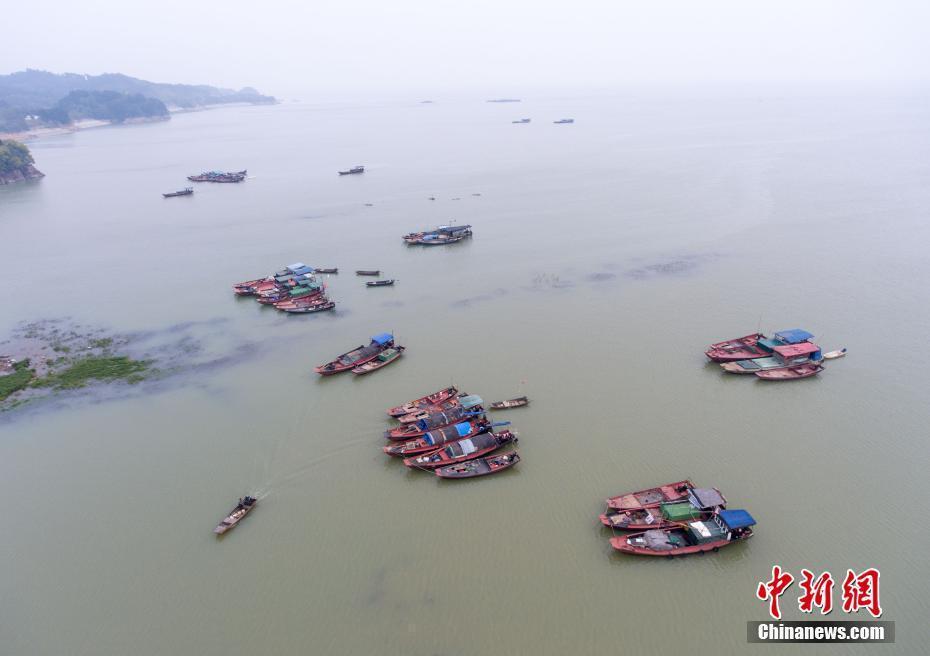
522 120
791 373
652 496
354 170
368 272
518 402
307 309
564 120
424 401
467 449
187 191
722 529
379 283
384 358
243 508
833 355
334 270
700 504
479 466
357 356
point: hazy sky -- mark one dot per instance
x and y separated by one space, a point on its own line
325 48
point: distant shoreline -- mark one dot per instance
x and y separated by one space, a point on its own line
86 124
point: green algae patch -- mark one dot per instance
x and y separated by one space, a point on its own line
102 368
20 379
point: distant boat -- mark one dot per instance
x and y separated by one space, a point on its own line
353 170
512 403
504 100
219 176
368 272
522 120
333 270
380 283
243 508
187 191
564 120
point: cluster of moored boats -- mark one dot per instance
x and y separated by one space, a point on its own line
447 432
439 236
294 289
363 359
675 519
786 355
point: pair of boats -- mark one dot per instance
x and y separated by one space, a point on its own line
187 191
787 355
675 519
219 176
447 432
355 170
439 236
380 352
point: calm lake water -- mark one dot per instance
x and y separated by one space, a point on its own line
607 254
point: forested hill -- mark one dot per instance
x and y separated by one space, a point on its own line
48 96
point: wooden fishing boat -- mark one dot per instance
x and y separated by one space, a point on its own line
187 191
833 355
287 302
471 402
433 421
757 345
424 401
479 466
307 309
791 373
353 171
782 357
249 287
435 439
379 283
700 504
368 272
385 357
722 529
334 270
441 235
511 403
243 508
467 449
358 355
652 496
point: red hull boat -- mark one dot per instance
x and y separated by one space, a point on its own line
425 412
435 398
701 504
440 420
722 529
791 373
462 450
651 497
479 466
248 287
357 356
436 439
741 348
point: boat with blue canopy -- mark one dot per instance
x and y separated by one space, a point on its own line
357 356
756 345
435 439
723 528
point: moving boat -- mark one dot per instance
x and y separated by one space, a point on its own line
564 120
424 401
432 422
379 283
467 449
722 529
243 508
511 403
782 357
384 358
441 235
479 466
435 439
791 373
358 355
757 345
187 191
368 272
651 497
522 120
354 170
700 504
468 401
